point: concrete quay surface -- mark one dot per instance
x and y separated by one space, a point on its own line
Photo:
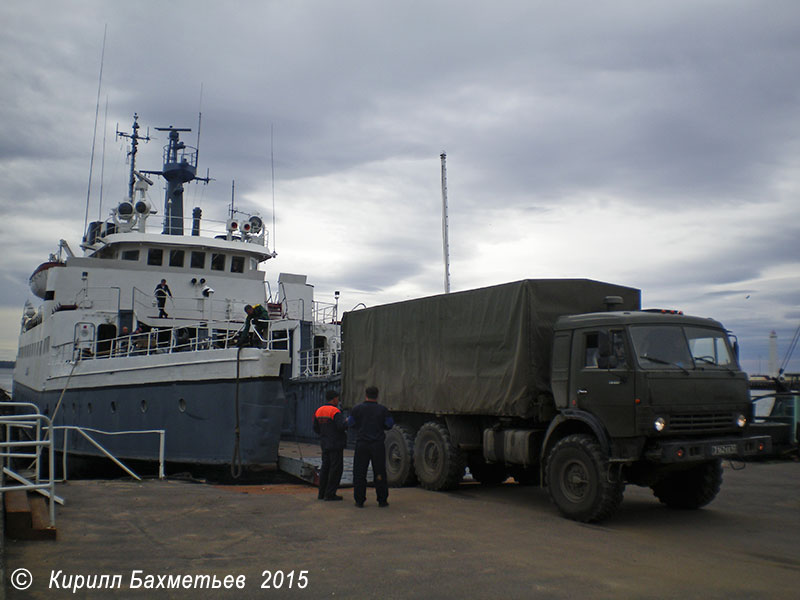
475 542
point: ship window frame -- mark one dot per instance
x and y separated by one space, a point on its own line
131 255
237 264
197 260
173 254
152 253
218 261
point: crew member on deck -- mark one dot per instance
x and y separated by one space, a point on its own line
162 291
255 314
330 424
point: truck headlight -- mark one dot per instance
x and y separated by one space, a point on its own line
659 424
741 421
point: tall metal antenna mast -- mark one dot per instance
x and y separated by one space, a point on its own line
94 135
445 241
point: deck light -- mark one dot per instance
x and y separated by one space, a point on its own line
659 424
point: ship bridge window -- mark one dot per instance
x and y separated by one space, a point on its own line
176 258
130 255
237 264
155 257
217 262
198 260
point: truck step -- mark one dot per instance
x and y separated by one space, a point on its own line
27 517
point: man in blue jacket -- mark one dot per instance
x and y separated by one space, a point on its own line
330 424
370 420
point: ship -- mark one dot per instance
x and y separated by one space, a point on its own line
110 353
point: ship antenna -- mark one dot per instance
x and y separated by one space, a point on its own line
103 164
199 121
134 137
94 135
233 189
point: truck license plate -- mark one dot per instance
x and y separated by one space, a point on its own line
723 449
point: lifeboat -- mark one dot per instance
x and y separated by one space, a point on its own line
38 280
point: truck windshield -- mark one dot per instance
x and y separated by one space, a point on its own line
709 347
673 346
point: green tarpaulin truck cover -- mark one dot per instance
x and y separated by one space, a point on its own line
479 352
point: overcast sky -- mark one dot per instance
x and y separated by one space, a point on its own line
651 144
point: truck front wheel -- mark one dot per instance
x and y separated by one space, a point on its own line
692 488
400 456
579 481
438 462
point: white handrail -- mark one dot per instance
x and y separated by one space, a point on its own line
82 430
27 420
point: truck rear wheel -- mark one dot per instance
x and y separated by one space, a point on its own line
400 456
579 481
692 488
438 462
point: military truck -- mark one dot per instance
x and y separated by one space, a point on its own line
567 383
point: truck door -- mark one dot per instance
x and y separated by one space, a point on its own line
604 385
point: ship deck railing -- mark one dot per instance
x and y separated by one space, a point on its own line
181 338
320 364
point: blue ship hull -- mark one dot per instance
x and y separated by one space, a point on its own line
200 419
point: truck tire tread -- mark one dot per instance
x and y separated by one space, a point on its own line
400 456
438 462
578 480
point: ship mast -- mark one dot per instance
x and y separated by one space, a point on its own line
180 167
134 137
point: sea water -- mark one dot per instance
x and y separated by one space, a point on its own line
6 376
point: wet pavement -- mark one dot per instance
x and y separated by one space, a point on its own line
475 542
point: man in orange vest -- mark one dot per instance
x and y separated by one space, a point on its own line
330 424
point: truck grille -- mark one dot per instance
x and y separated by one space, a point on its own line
680 423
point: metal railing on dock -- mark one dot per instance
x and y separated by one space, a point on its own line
41 430
20 449
83 431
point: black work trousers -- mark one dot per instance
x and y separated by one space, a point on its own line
366 453
330 474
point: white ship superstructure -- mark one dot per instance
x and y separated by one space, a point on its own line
99 352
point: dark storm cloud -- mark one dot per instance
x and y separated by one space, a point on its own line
539 105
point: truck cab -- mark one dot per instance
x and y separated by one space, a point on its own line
662 396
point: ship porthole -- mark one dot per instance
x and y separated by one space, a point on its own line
144 405
182 405
113 406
